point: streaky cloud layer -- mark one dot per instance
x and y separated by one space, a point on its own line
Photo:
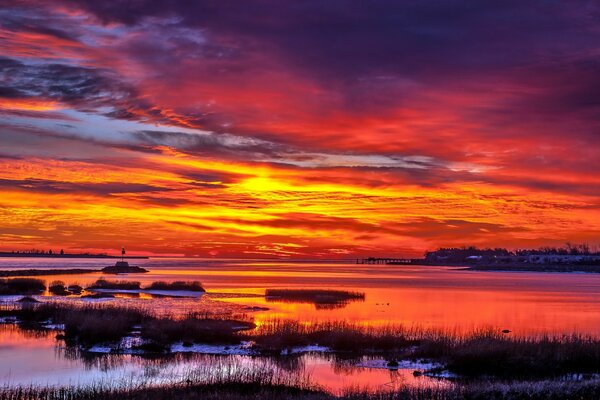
312 129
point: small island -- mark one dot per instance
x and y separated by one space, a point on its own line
123 267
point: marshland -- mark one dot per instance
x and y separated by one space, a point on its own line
187 327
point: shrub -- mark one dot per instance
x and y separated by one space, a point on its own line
321 298
58 288
166 331
75 289
22 286
117 285
194 286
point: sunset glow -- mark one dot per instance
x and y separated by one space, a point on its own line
230 130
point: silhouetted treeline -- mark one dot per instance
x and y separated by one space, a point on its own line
59 254
37 252
568 249
459 254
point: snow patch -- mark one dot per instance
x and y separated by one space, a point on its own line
54 327
243 349
127 345
307 349
441 374
419 365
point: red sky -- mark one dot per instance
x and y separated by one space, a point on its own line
306 129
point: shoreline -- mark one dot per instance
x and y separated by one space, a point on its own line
46 272
110 270
35 255
557 268
511 267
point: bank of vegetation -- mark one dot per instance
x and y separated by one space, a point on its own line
269 386
477 354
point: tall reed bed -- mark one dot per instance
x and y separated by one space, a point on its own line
227 380
270 386
475 353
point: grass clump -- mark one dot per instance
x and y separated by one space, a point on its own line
494 354
204 382
58 288
193 286
115 285
164 332
276 335
484 353
21 286
273 385
86 324
91 324
100 323
319 297
476 354
75 288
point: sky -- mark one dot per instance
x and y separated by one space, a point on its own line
304 129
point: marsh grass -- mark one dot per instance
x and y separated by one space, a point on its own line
163 332
228 380
117 285
58 288
98 323
322 298
497 355
102 283
22 286
338 335
272 385
193 286
476 353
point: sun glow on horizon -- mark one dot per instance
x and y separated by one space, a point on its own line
281 135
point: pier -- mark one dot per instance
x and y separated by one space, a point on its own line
378 260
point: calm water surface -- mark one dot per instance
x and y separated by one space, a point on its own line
438 297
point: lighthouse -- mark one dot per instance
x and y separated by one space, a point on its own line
122 263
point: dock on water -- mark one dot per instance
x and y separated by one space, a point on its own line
390 261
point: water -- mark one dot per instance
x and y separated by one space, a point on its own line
37 358
437 297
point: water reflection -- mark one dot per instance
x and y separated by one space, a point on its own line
322 299
36 357
435 297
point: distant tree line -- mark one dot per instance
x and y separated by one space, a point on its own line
459 254
568 249
37 252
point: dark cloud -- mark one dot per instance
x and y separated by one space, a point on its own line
100 189
377 36
493 76
80 87
8 92
208 144
95 90
42 23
